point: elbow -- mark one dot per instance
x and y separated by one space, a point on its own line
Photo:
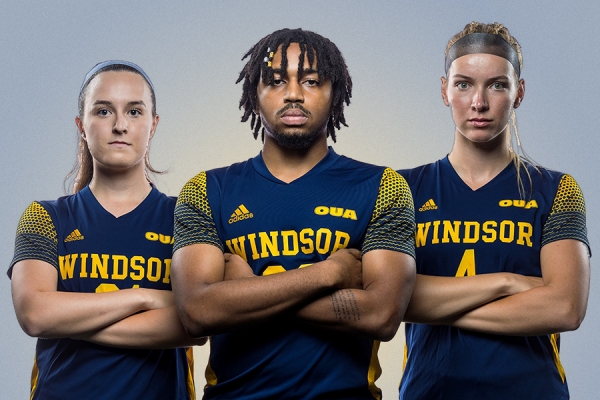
386 326
33 326
574 320
193 326
199 321
571 317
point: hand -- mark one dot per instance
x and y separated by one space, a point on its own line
348 265
236 267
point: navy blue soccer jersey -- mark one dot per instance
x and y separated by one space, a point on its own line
93 252
277 226
496 228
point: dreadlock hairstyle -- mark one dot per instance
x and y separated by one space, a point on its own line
331 66
520 157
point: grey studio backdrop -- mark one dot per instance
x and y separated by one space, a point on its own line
192 52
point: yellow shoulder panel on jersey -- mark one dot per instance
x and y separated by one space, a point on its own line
194 193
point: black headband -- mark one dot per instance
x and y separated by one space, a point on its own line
486 43
105 64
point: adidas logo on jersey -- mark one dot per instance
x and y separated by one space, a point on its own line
429 205
241 213
73 236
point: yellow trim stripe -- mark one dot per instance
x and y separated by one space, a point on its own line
374 371
189 352
554 341
35 375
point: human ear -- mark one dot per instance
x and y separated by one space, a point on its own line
445 91
520 94
154 125
79 124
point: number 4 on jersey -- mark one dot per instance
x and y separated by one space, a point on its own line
467 264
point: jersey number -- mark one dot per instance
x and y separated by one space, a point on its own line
110 287
275 269
467 264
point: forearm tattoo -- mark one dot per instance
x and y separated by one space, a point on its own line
345 305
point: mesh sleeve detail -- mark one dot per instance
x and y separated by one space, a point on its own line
567 217
194 222
392 224
36 237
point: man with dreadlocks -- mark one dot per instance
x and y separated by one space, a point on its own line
295 311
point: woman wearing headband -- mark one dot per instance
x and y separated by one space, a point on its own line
502 251
91 271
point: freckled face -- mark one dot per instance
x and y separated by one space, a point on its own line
482 90
294 106
117 120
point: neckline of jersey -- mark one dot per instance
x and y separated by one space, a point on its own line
258 163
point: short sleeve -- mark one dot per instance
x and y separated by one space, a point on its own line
194 223
567 217
36 237
392 224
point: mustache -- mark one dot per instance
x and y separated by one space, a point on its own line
290 106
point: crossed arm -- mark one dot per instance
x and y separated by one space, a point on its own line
209 304
111 319
510 304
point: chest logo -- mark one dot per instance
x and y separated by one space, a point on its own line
159 237
73 236
336 212
429 205
241 213
518 203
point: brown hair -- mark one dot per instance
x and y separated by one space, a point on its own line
83 170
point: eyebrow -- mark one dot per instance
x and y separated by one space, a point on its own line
306 71
110 103
493 78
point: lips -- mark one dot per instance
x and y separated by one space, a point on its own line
294 117
119 144
480 122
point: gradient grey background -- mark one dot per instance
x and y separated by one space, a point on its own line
192 52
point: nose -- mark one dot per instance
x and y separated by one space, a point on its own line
479 101
120 125
294 93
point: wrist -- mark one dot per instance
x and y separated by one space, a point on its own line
331 277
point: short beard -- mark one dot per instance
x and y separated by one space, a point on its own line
295 140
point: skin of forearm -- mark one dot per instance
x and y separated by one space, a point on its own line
153 329
227 305
557 306
374 311
351 311
62 314
538 311
208 304
437 298
44 312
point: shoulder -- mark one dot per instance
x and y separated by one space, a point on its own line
415 174
163 201
351 163
550 181
52 207
218 174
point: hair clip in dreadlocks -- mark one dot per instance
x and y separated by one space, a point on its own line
269 58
